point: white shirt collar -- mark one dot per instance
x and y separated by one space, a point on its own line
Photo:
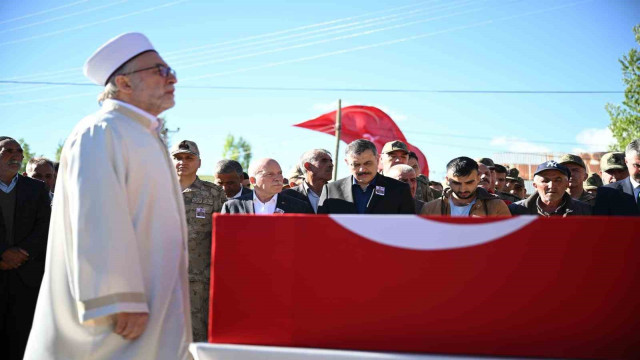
634 183
264 208
153 125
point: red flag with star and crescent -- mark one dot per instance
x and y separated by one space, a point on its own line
364 122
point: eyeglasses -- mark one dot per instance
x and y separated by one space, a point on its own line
163 70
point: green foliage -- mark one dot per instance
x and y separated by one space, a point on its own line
625 118
239 150
59 150
26 151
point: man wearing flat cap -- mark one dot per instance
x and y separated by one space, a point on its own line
551 198
579 174
116 281
201 200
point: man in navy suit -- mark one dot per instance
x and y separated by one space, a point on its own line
365 191
621 197
266 177
25 210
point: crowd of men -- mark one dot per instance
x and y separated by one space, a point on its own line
125 217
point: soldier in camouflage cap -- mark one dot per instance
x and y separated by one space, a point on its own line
578 169
500 184
519 191
613 167
424 191
201 200
592 184
512 179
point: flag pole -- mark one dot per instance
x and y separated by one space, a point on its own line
338 128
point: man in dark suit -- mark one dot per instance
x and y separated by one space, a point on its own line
623 198
229 176
25 210
365 191
317 169
266 177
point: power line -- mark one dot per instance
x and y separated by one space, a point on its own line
280 88
42 12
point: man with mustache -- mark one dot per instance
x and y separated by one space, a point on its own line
407 175
551 181
317 168
464 197
622 197
266 177
116 284
365 191
24 222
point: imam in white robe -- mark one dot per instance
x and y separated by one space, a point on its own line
117 243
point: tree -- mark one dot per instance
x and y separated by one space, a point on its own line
26 151
59 150
239 150
625 118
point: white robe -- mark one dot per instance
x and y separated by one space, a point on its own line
117 243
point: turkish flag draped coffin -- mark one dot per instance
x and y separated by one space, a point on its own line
523 286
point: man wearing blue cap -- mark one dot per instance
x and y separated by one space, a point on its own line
551 181
116 282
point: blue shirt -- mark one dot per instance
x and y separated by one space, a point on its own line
361 197
7 188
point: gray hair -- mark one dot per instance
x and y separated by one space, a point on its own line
258 166
227 166
633 147
359 146
110 90
399 169
34 162
311 156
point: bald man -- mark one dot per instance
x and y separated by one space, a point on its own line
266 177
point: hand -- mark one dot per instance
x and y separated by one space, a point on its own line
14 257
5 266
130 325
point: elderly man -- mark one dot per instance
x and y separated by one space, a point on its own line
406 174
317 168
116 283
551 198
465 197
613 168
24 222
228 174
42 169
579 174
266 177
365 191
201 200
393 153
484 173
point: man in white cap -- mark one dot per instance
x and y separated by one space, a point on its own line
115 284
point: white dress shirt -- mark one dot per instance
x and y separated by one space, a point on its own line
264 208
238 194
636 188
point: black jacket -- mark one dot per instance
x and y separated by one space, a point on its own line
616 199
529 206
337 198
30 227
298 192
244 205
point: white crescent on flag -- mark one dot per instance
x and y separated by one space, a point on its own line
418 233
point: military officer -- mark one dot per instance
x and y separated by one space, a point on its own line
201 200
579 174
592 184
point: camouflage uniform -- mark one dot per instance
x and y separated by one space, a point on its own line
575 159
587 198
201 200
424 192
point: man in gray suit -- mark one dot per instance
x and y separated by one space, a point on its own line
266 177
365 191
317 169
